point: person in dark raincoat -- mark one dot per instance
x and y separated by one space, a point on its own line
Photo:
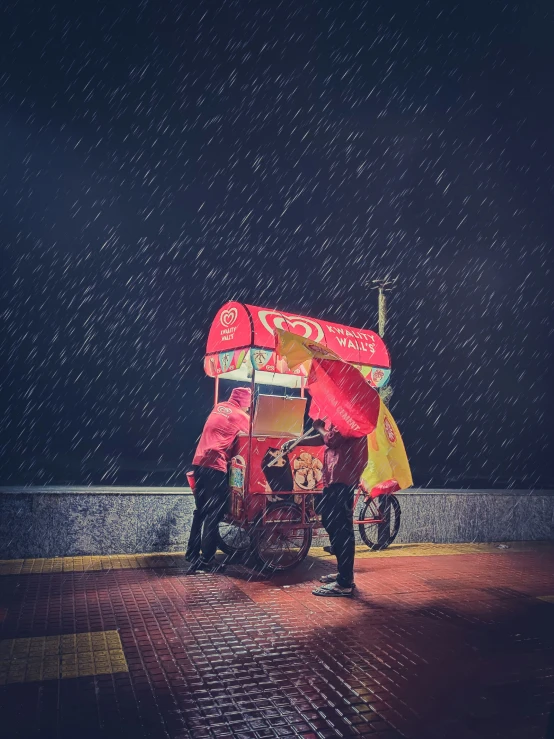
345 460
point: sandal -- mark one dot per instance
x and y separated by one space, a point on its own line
333 590
332 578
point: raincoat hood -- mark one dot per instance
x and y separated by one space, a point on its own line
242 396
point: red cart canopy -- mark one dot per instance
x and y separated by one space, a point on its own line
242 332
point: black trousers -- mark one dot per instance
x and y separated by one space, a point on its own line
335 505
211 498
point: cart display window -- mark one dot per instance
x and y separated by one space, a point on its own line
279 416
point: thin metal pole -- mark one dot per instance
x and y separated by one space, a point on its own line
382 308
251 428
383 285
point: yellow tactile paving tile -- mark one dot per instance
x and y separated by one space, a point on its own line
176 559
55 657
51 565
433 550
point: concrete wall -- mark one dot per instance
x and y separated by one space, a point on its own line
48 522
444 516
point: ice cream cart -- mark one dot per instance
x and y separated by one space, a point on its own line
272 513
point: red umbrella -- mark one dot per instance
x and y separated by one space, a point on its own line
339 391
342 396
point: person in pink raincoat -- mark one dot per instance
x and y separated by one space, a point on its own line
210 464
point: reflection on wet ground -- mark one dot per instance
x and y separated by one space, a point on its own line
433 646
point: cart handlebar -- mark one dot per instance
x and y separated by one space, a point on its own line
295 443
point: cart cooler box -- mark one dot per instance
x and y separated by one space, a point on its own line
300 471
277 419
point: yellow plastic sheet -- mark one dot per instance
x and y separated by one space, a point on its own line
387 455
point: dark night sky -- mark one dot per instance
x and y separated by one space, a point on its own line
160 158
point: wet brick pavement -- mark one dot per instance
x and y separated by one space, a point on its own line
437 647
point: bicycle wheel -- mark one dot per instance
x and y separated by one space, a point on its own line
277 545
379 521
233 540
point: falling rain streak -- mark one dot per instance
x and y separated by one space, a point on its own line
161 159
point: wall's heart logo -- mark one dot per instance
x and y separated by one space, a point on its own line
295 324
228 317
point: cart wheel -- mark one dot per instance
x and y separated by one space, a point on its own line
383 516
233 540
275 546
